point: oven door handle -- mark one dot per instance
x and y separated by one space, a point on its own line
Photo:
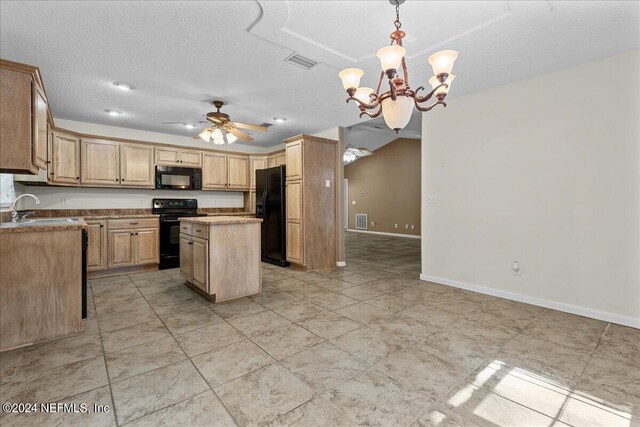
169 220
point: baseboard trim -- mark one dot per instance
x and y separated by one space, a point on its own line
560 306
341 264
384 233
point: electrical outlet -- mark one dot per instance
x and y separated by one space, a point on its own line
412 227
327 183
395 226
353 202
406 226
432 198
64 201
515 267
373 223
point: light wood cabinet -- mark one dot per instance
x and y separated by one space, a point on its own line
121 250
281 159
24 114
177 157
256 163
136 166
238 170
39 121
214 171
100 162
186 256
225 171
132 242
97 247
200 264
65 158
146 243
311 216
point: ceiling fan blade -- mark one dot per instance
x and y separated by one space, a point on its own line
243 136
250 126
214 120
183 122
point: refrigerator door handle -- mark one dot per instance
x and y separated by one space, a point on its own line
264 204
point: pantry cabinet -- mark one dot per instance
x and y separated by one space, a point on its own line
65 158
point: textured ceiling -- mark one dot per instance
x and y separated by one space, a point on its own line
180 55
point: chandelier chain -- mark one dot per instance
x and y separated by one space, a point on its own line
397 21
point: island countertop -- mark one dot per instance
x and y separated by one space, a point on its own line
220 220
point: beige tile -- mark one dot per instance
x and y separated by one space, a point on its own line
324 366
9 361
373 399
442 416
209 338
335 285
299 310
204 409
403 329
392 303
481 331
187 321
561 334
457 349
361 293
364 313
289 284
259 323
237 308
512 314
331 300
329 325
55 384
285 341
134 335
142 358
431 315
368 344
232 361
587 411
118 321
274 299
313 277
263 395
386 286
614 374
317 412
358 279
143 394
99 396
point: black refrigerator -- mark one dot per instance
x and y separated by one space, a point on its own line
270 206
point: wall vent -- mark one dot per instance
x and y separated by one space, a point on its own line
300 61
362 222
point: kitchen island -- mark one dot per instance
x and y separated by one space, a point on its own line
220 256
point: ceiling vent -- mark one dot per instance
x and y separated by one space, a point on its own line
265 124
300 61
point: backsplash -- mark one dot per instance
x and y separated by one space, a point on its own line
6 216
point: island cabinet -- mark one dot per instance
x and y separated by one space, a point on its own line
225 171
24 118
311 202
220 256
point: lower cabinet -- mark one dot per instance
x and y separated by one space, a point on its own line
194 261
97 247
132 242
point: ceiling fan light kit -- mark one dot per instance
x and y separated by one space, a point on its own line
396 104
223 130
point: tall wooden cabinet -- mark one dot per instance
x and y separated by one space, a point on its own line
311 201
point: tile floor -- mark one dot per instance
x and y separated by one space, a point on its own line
368 344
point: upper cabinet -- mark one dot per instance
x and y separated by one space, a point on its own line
225 171
294 160
100 164
136 165
277 159
24 114
65 158
256 163
177 157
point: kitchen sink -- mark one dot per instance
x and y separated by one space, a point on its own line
44 221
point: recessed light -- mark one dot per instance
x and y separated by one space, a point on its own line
123 86
113 113
189 125
279 119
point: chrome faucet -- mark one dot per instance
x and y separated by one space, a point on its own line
17 216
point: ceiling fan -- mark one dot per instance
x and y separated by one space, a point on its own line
222 129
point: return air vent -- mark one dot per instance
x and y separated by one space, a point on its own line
300 61
361 222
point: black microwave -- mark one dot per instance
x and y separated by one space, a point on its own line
177 178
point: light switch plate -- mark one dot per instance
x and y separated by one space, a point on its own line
353 202
327 183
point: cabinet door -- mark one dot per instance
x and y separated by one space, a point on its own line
256 163
136 165
238 167
147 249
97 248
100 162
294 201
252 202
65 158
200 263
295 243
214 171
272 161
186 252
281 159
121 248
294 160
39 122
167 156
190 158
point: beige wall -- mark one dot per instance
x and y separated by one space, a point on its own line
546 172
390 180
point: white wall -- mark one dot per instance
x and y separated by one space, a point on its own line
545 171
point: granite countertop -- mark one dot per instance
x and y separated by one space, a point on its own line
57 225
220 220
231 214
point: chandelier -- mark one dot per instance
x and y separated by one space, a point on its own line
396 104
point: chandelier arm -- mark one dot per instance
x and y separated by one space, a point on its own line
373 116
421 99
430 107
379 82
363 105
405 71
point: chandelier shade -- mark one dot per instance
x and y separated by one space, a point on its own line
397 113
351 78
396 104
391 57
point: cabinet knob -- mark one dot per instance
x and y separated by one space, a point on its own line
101 225
77 177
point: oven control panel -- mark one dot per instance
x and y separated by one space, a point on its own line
170 204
